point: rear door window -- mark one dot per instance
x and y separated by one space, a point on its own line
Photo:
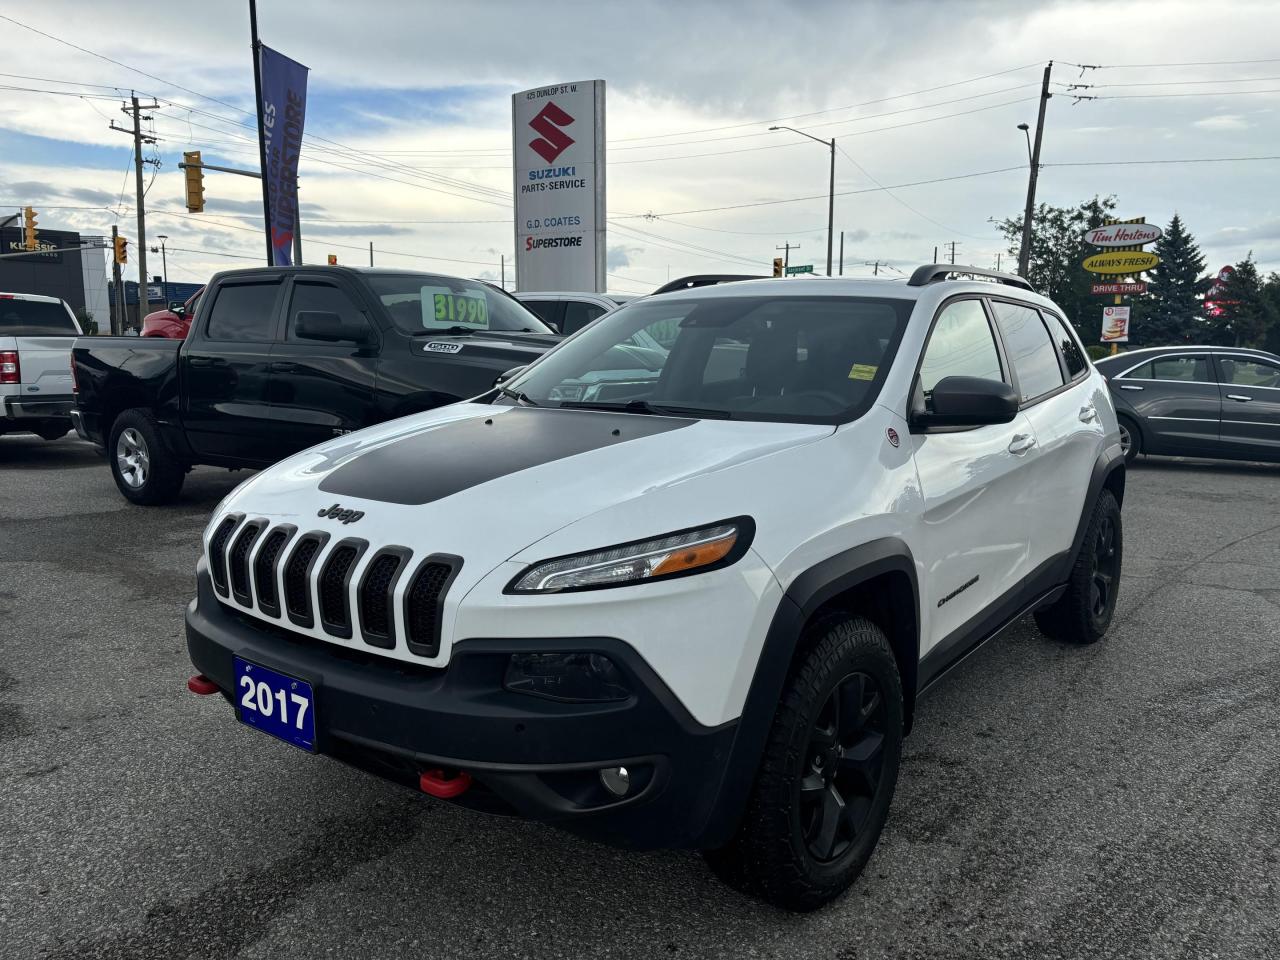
1030 349
1243 372
1072 355
578 313
244 313
35 318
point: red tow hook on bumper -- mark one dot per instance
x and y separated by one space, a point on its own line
202 685
435 783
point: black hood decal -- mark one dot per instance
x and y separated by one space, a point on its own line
445 460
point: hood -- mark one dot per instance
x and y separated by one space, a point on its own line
484 482
505 349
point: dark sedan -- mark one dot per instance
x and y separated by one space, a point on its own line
1219 402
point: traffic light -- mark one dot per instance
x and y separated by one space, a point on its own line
195 181
29 228
777 266
333 259
122 250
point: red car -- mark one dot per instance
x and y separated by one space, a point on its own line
173 324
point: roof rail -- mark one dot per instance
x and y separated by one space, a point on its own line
935 272
704 280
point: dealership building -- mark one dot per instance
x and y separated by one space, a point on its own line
74 275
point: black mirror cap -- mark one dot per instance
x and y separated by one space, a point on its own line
502 378
329 327
969 402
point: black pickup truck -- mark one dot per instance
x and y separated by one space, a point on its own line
280 359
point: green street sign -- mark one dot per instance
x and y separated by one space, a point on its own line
802 268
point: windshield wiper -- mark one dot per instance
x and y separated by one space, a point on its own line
655 409
439 330
517 396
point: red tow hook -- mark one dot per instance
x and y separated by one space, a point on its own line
435 783
202 685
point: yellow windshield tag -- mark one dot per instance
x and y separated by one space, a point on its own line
863 371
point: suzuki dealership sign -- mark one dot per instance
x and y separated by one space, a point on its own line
558 152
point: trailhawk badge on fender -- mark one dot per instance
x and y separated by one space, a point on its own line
439 346
892 434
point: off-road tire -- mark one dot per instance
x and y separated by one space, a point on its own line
770 856
1079 616
162 477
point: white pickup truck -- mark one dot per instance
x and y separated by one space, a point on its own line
36 389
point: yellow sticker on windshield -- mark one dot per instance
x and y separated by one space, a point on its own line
863 371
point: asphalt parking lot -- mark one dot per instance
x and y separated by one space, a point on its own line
1118 801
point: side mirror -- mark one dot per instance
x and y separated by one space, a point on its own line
968 402
178 310
329 327
504 377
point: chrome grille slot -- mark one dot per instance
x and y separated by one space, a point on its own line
238 562
297 578
335 586
218 552
377 596
424 602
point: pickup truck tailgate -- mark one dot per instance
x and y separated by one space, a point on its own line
45 363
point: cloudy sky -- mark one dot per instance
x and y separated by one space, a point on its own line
408 123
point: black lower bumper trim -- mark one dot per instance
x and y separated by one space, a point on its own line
528 756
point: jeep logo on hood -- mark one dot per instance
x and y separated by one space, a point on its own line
337 512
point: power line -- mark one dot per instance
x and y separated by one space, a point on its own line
1151 66
1128 163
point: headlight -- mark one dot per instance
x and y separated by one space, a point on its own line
673 555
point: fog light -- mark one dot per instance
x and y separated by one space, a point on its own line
568 677
616 780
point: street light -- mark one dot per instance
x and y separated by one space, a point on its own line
1027 130
831 199
164 261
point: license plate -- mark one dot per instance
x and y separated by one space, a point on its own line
276 704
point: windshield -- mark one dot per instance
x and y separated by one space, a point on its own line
808 359
35 318
421 302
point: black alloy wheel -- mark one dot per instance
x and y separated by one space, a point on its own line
1105 568
843 767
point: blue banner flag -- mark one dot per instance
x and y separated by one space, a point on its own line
283 109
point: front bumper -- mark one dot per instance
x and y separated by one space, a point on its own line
527 756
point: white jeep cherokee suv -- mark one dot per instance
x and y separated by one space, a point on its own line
694 606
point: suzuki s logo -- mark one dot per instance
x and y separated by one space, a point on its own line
553 141
336 512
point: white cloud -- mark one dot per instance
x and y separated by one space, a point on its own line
1224 121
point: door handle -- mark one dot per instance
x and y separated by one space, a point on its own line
1088 414
206 361
1129 386
1239 397
283 367
1021 443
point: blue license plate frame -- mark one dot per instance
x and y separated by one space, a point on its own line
291 712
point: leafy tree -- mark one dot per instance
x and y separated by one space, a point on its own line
1245 310
1171 312
1057 250
1271 297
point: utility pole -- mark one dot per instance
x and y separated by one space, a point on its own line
144 301
786 255
371 253
117 321
262 141
935 253
1024 252
164 261
875 270
952 245
831 194
502 266
997 261
842 253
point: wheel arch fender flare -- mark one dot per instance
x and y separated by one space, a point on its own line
809 593
1108 473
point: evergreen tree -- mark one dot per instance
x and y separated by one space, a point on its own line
1244 308
1170 312
1271 294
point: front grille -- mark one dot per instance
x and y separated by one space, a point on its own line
297 580
334 581
264 569
239 562
375 612
218 552
424 603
